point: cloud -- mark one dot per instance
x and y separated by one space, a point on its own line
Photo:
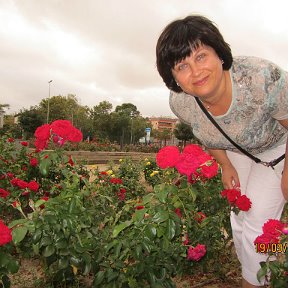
105 49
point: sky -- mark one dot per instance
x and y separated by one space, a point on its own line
105 49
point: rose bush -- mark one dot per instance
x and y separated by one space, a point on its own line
273 242
8 264
117 228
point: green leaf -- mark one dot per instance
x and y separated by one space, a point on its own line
120 227
63 263
262 272
139 215
17 222
162 195
117 249
111 275
170 229
150 231
18 234
37 236
147 198
160 216
48 251
98 279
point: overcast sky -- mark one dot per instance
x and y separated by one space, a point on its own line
105 49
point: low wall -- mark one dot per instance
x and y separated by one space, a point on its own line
101 157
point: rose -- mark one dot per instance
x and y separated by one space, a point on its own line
33 162
243 203
200 216
266 238
3 193
273 227
33 186
167 157
187 164
209 169
65 130
231 195
178 212
5 234
24 143
19 183
196 253
193 149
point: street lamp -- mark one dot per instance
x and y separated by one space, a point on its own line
131 139
48 106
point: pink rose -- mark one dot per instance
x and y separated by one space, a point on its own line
195 254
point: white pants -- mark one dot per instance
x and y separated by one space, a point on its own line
263 186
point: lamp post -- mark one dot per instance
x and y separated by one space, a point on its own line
131 138
48 106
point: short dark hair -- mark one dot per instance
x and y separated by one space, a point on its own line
180 38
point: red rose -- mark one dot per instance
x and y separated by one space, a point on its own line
231 195
5 234
195 254
193 149
10 140
116 181
140 207
33 162
209 169
70 161
24 143
43 132
266 238
186 239
16 204
33 186
273 226
10 175
3 193
19 183
243 203
42 135
167 157
187 164
200 216
75 135
178 212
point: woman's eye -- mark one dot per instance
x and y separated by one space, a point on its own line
200 57
182 66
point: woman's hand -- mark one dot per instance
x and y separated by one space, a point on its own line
284 184
230 177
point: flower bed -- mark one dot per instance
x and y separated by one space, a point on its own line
111 226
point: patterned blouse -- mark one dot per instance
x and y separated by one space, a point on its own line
259 99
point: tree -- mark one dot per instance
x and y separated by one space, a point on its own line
183 132
101 119
2 108
164 135
29 120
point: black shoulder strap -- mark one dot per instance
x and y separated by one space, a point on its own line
257 160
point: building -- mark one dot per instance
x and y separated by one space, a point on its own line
162 124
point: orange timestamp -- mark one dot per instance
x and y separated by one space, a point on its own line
271 247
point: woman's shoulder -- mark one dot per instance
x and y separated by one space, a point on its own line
243 64
182 105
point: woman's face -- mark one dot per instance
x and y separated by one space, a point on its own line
201 73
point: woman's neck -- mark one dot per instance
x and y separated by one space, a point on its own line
219 103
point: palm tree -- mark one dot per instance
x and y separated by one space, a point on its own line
2 108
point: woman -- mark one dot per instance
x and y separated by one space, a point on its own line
248 98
